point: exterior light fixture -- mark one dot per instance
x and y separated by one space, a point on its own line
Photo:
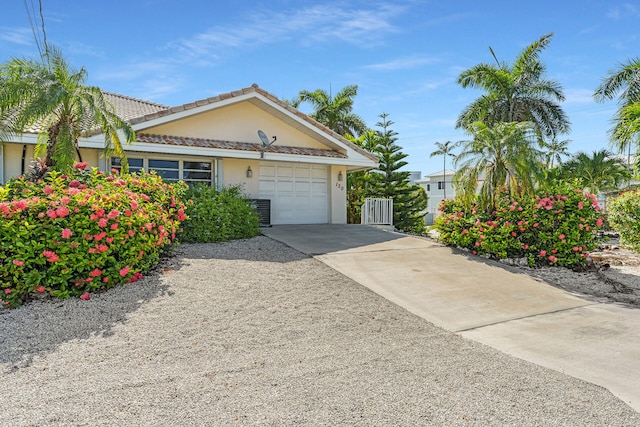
249 172
340 176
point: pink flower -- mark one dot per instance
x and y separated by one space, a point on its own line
96 272
552 258
47 189
18 262
598 222
40 289
105 279
102 222
514 234
66 233
134 205
50 256
477 243
561 237
52 214
543 253
114 226
85 296
74 184
464 232
7 291
580 205
62 211
81 166
554 251
113 214
124 271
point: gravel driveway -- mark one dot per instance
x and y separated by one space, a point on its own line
255 333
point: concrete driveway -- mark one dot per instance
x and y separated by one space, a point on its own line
484 301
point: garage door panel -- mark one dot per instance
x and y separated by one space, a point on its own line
298 193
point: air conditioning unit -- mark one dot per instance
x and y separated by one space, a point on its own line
263 208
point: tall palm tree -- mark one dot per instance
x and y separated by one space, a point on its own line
516 93
598 173
335 112
444 150
502 156
53 96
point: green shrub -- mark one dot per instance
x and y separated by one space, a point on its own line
558 227
69 235
219 216
624 217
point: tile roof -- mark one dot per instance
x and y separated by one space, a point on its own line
254 88
232 145
128 108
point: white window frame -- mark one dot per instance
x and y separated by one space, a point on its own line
181 169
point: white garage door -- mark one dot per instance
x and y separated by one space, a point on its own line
298 192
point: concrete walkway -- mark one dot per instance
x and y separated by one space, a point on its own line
484 301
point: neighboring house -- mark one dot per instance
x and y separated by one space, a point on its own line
414 176
435 186
215 141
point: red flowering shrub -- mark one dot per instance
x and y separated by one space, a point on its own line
555 228
73 234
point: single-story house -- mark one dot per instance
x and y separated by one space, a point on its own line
300 167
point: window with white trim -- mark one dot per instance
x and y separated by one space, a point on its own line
190 171
441 185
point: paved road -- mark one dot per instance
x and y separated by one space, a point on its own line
485 302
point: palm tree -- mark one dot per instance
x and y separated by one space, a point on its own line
625 83
502 156
54 97
599 172
555 151
444 150
516 93
335 112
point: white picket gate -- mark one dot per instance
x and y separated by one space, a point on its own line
377 211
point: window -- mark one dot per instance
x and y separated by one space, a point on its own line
189 171
441 185
428 187
135 165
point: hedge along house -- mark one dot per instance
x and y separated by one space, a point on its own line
215 141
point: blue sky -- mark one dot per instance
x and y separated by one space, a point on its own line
404 55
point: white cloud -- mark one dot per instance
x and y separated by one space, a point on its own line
578 96
21 36
402 63
626 10
320 23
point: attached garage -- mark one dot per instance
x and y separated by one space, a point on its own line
299 192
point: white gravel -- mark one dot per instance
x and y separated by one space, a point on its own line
255 333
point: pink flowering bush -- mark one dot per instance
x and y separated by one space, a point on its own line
556 228
71 235
624 217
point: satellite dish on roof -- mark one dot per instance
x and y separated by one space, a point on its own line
264 139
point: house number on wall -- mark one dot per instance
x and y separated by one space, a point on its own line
340 186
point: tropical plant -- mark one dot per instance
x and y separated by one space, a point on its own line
624 216
554 151
336 113
516 93
598 172
623 83
76 233
444 150
499 156
219 215
360 183
51 95
558 226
